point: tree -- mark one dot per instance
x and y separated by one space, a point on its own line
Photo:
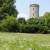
21 20
47 17
7 8
9 24
32 25
47 20
21 23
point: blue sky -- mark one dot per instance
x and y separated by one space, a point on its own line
23 6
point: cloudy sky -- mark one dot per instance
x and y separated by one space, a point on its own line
23 6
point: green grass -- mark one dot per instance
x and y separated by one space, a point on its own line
22 41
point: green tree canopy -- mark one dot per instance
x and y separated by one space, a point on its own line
7 8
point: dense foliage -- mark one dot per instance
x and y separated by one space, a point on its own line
9 24
7 8
32 25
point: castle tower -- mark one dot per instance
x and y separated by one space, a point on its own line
34 10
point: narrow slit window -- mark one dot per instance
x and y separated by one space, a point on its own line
33 14
33 8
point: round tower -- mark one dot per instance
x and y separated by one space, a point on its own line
34 10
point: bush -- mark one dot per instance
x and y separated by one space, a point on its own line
9 24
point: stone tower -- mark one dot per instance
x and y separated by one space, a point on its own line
34 10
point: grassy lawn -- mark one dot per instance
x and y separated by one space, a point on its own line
22 41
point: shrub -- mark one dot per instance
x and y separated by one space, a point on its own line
9 24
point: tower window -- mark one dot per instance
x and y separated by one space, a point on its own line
33 8
33 14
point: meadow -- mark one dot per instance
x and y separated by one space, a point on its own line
24 41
